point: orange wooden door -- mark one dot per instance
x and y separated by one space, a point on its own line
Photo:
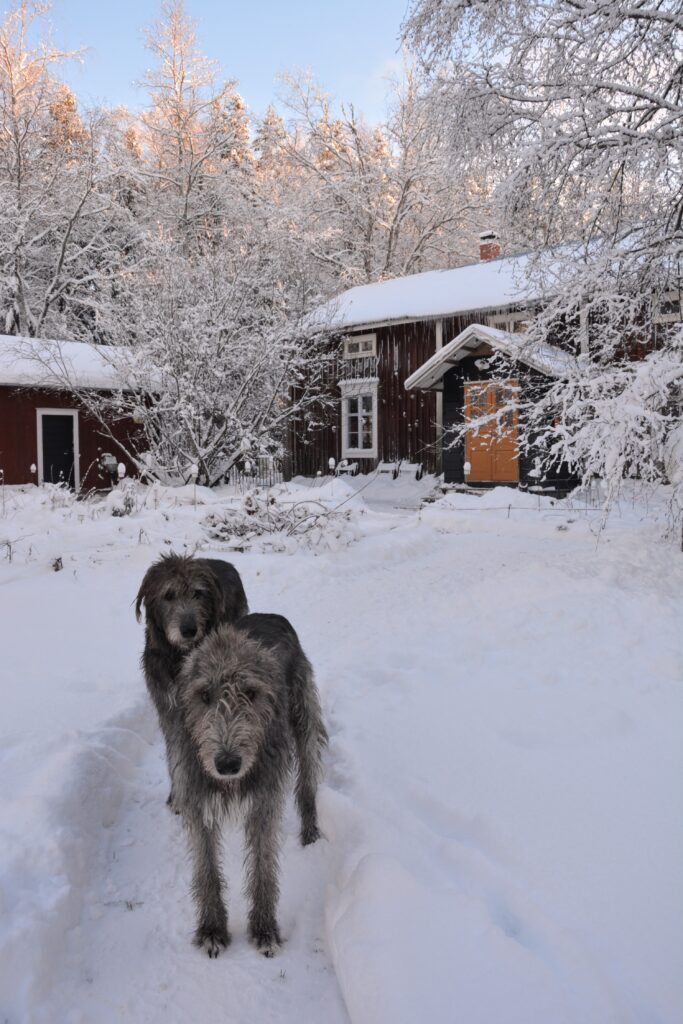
492 450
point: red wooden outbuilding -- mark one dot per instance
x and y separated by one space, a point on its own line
47 434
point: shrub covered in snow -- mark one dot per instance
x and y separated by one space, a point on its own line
280 524
121 500
55 496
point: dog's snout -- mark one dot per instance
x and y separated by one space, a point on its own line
227 764
188 627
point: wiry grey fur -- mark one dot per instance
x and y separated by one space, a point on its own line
184 599
250 708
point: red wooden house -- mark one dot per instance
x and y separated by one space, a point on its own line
412 362
46 433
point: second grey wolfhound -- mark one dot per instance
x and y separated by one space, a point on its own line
250 707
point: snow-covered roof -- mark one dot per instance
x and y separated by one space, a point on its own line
38 362
489 285
540 356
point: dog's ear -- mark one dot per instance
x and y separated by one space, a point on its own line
138 601
143 593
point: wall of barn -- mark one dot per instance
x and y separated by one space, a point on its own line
19 438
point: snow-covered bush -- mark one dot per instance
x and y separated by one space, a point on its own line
221 372
616 421
122 500
278 524
57 496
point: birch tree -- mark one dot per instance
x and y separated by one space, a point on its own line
374 202
205 387
64 235
194 133
217 348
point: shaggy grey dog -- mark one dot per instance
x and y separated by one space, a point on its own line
184 599
250 708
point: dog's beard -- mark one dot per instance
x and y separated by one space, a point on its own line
208 748
177 640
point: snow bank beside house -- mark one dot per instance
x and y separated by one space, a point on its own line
40 524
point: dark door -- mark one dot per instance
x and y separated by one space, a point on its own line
58 449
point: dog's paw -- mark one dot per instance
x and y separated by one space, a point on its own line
211 939
310 834
267 940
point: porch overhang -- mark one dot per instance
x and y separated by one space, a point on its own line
546 359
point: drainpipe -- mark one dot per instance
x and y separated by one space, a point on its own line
439 404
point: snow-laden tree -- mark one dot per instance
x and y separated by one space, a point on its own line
371 202
612 421
194 134
584 100
212 316
64 233
584 97
219 373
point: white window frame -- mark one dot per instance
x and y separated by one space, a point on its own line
670 318
356 389
507 321
73 413
360 338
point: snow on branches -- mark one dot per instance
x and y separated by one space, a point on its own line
618 421
578 106
65 229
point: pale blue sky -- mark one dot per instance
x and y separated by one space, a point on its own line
351 47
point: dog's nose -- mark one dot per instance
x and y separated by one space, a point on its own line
227 764
188 630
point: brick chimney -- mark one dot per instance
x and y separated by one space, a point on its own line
489 246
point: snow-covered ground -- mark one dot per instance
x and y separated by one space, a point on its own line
503 796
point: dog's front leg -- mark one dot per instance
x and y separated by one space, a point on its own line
262 829
207 884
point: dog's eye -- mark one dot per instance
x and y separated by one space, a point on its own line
205 696
250 693
169 595
199 594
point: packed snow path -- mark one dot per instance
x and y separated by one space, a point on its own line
502 795
130 957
